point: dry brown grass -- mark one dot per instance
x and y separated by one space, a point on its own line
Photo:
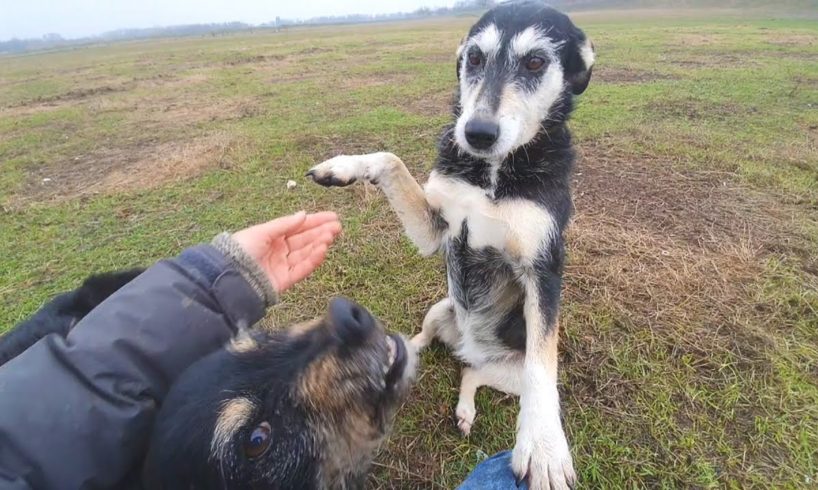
609 74
145 165
782 39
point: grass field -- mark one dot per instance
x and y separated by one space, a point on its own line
689 354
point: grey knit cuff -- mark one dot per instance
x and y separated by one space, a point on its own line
247 267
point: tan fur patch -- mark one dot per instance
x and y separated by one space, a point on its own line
349 446
243 343
304 327
319 387
233 415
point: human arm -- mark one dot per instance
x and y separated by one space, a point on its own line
76 411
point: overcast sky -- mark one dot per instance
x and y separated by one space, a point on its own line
78 18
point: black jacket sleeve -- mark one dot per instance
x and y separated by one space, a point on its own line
76 412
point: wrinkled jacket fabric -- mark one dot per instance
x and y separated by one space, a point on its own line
76 412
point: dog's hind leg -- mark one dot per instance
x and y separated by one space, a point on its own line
505 377
440 322
423 225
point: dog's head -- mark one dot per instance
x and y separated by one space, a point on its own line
517 68
300 408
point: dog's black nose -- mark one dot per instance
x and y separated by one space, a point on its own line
352 322
481 134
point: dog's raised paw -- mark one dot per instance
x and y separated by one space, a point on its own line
328 180
340 171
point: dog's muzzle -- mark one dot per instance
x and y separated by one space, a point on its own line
482 134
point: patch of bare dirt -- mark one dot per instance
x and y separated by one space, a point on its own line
77 94
167 80
142 165
32 108
692 207
682 59
436 58
694 110
254 59
627 75
431 104
698 39
374 80
170 112
313 50
781 39
324 146
97 97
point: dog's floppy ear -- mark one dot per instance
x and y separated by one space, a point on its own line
578 60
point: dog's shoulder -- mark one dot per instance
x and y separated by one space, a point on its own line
97 288
62 312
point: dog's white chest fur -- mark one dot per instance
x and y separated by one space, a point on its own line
518 227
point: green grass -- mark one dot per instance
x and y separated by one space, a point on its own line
690 331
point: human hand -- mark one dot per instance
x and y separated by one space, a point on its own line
289 249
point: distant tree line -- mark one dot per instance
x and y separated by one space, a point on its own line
55 41
462 6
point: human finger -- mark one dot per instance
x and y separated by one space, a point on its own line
318 219
277 227
328 230
315 220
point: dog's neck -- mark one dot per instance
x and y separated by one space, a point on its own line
545 160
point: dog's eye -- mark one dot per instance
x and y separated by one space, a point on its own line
258 441
475 59
535 63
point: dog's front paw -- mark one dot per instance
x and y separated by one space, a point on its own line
543 460
340 171
465 413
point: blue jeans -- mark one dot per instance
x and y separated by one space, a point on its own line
493 474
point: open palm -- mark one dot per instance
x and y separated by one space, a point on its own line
289 249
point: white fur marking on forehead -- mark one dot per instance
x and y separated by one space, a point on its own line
488 39
587 53
530 40
234 414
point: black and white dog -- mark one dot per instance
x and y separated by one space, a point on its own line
496 204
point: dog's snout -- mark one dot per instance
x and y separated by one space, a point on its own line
481 133
352 321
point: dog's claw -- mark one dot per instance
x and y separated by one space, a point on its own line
331 181
342 170
519 480
464 426
328 179
465 415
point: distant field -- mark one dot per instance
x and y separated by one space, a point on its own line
690 313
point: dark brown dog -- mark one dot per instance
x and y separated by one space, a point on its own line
302 408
